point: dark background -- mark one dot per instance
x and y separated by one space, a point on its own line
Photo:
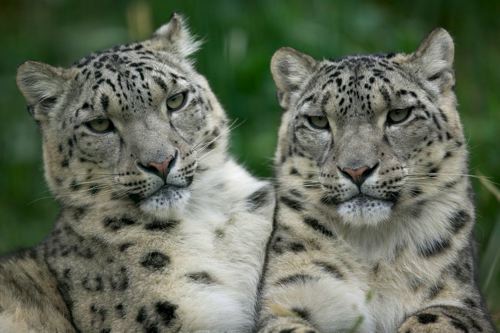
240 38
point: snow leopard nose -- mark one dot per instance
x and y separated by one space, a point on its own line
161 169
358 175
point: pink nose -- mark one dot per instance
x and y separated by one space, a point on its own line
356 174
163 167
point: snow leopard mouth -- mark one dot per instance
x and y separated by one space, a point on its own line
368 201
363 199
164 194
167 192
359 199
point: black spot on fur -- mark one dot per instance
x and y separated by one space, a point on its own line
308 99
297 247
393 196
141 315
426 318
458 220
79 212
433 172
86 253
134 197
314 223
201 277
115 223
330 269
295 278
470 303
120 280
459 326
294 171
435 290
159 81
258 198
415 191
166 311
123 247
104 102
461 271
94 189
302 313
155 260
74 186
211 146
436 247
120 310
328 200
157 225
416 209
292 203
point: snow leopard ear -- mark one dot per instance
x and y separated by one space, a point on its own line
434 58
290 69
42 85
175 37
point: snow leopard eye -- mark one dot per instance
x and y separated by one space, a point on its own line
100 125
398 116
177 101
318 122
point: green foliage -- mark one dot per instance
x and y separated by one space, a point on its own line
240 38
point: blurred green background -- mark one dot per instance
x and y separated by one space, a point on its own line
240 38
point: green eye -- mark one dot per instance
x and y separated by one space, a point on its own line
101 125
176 101
318 122
398 116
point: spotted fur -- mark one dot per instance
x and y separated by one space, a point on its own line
137 248
374 213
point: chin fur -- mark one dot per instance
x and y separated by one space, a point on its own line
166 203
363 212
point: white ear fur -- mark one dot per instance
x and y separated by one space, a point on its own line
290 68
176 37
41 85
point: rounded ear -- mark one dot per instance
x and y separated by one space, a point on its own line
290 69
41 85
434 58
175 37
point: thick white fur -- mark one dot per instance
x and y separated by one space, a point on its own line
334 306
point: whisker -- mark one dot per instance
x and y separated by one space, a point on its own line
226 130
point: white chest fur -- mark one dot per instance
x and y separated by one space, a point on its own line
208 265
222 237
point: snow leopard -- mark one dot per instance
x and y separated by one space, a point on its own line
374 218
159 228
